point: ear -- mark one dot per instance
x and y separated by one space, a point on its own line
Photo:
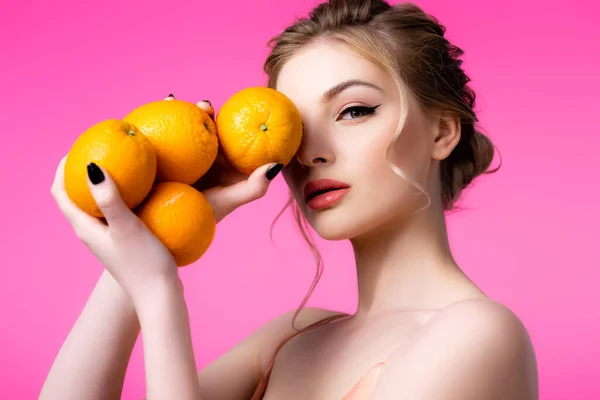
446 135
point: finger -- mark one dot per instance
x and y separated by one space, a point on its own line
59 176
203 104
80 220
225 200
107 197
207 106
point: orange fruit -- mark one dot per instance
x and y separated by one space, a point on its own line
181 217
183 135
119 148
257 126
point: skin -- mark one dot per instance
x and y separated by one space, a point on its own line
443 339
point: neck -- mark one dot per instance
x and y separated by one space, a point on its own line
406 265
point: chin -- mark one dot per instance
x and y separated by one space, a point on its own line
333 232
343 222
336 224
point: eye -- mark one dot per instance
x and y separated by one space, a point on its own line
355 112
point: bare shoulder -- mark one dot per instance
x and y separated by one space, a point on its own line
472 349
250 358
485 337
283 327
483 318
305 317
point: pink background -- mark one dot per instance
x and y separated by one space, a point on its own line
528 235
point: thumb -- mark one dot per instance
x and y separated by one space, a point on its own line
226 200
106 194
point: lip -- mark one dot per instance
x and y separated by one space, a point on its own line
324 193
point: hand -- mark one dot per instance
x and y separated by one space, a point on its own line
128 250
226 188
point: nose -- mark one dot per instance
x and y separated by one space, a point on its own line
312 163
314 153
311 159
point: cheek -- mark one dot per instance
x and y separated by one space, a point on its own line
372 161
385 190
410 153
372 146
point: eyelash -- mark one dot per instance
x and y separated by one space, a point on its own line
361 109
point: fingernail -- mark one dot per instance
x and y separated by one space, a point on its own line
207 101
95 173
273 171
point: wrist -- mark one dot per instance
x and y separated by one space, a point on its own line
153 293
112 290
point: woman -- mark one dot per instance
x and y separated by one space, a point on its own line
390 141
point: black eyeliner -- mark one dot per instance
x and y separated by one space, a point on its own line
368 110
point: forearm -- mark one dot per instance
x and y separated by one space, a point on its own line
93 359
168 353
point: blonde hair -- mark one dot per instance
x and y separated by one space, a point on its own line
410 45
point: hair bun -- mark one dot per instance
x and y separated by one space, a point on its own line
471 157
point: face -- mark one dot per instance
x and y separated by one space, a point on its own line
350 109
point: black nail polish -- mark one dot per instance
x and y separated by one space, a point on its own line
95 173
273 171
207 101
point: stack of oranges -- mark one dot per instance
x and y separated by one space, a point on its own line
159 150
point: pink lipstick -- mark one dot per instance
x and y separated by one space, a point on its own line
324 193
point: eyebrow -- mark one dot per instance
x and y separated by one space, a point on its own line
331 93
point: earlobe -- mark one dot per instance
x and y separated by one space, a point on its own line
448 134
